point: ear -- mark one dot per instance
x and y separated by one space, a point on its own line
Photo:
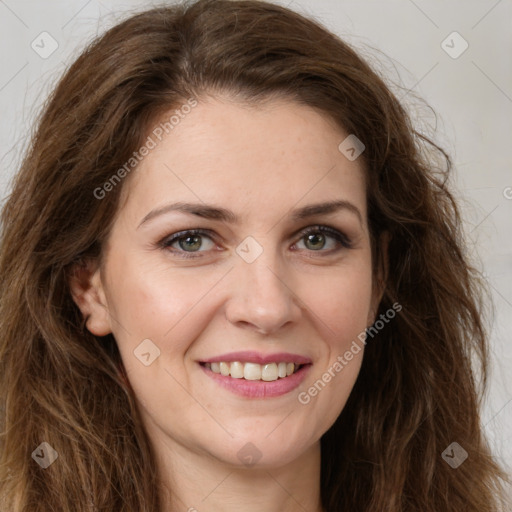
87 291
381 276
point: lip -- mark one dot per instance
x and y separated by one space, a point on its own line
258 388
255 357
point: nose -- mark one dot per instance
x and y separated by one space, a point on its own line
263 298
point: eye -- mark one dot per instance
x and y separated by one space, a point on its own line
316 238
189 241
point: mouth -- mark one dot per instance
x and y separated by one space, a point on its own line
253 375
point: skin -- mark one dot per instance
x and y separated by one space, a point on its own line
311 298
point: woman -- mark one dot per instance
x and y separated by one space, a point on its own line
232 279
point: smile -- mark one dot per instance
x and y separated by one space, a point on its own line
257 388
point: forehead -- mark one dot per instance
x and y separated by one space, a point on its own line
253 159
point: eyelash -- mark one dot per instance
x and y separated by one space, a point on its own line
341 238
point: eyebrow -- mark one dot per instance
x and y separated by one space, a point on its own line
206 211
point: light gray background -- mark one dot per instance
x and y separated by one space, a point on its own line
471 94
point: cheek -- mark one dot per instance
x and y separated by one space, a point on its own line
157 302
341 302
342 309
342 317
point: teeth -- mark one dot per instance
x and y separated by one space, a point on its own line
237 370
253 371
269 372
224 369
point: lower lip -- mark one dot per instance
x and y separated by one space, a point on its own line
259 388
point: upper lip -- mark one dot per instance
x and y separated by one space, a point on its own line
256 357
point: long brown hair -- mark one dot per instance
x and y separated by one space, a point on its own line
417 391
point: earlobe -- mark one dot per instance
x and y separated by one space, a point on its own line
87 291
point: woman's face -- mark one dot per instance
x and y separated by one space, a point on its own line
250 287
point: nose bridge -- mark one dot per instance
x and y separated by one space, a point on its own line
261 295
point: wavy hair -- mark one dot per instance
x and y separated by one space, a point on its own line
422 378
